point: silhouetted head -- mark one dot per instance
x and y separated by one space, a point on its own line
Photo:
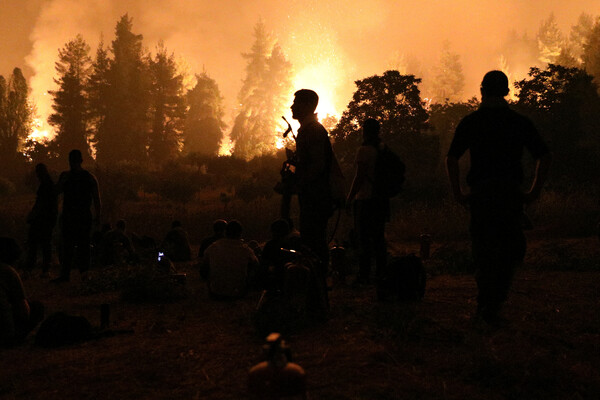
494 84
233 229
371 129
75 158
219 227
9 250
121 225
41 171
280 228
176 224
305 104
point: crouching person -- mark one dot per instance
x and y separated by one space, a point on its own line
18 316
228 263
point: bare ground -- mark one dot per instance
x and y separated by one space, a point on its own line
195 348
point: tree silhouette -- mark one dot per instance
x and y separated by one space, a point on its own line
70 117
580 36
262 96
167 107
15 116
448 79
124 132
564 104
591 53
98 90
395 101
204 122
550 41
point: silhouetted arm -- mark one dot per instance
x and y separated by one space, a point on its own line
453 170
541 175
96 200
360 177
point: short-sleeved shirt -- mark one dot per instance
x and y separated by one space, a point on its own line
495 135
228 261
366 157
78 192
314 153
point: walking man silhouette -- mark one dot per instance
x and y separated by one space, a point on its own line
495 136
80 190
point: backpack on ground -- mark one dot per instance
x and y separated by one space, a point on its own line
404 279
389 173
61 329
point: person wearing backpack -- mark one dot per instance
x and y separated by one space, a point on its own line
496 136
371 208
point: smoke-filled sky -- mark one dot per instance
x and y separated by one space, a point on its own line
330 43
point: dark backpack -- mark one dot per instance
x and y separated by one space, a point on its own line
404 279
389 173
61 329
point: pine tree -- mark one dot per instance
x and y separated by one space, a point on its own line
98 91
124 134
591 53
70 117
261 97
449 81
580 36
167 107
550 41
204 122
15 116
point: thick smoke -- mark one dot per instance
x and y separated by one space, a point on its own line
330 43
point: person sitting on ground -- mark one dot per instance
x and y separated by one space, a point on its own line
18 316
219 233
274 257
176 244
228 263
117 244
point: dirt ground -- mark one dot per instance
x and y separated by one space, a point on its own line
196 348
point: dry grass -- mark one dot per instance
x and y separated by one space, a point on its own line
195 348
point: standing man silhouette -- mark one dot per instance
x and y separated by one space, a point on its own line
42 219
80 190
495 136
314 158
314 155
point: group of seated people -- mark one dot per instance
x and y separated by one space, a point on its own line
231 266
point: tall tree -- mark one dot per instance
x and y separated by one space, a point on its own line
70 117
15 116
591 53
262 95
204 122
564 104
167 108
98 90
550 41
124 134
580 36
448 79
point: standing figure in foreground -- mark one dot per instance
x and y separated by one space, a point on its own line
80 190
495 136
371 211
41 220
314 159
314 155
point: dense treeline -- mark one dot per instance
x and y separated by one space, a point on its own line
130 110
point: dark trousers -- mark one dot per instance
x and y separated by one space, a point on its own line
498 245
75 246
314 214
370 216
39 236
